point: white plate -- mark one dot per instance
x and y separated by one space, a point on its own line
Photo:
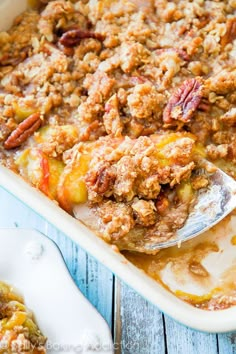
9 9
34 265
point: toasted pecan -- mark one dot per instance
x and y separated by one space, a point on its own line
73 37
101 181
230 33
23 131
7 59
184 101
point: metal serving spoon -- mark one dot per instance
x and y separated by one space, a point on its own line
212 204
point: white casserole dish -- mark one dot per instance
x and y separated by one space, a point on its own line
218 321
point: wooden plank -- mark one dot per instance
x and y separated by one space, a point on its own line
227 343
138 324
13 212
100 288
94 280
181 339
81 272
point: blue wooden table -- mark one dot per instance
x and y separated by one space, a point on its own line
137 326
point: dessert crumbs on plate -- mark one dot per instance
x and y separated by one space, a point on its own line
18 330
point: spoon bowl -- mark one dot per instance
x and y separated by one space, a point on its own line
212 204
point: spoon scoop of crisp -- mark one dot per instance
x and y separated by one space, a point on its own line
212 204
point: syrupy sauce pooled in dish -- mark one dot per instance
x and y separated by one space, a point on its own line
207 288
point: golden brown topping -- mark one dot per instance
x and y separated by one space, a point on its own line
199 182
125 168
230 33
184 102
23 131
111 118
181 53
117 219
215 152
102 180
222 83
229 117
56 13
144 212
198 269
7 59
144 101
73 37
162 204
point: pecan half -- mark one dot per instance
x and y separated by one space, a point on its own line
230 33
6 59
23 131
184 101
102 180
73 37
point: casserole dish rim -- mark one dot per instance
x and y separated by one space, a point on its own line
218 321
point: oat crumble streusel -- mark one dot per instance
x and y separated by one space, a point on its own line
109 103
